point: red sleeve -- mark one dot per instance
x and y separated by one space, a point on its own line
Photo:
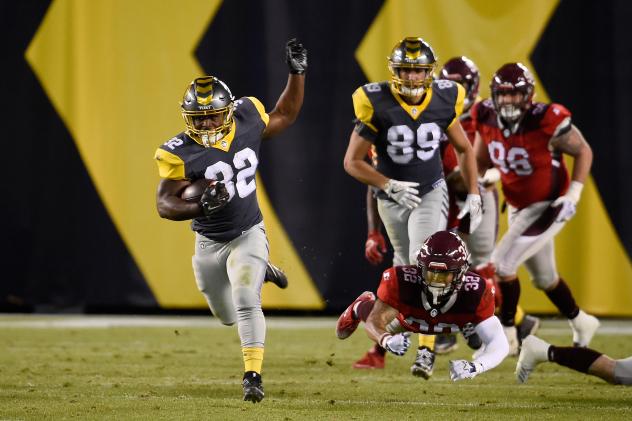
556 116
388 291
474 116
449 159
487 305
469 128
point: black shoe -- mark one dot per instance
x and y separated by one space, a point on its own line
276 276
445 343
528 326
253 387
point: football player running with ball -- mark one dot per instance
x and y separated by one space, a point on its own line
221 142
405 119
437 295
526 141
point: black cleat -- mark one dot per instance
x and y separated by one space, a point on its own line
528 326
253 387
276 276
445 343
473 340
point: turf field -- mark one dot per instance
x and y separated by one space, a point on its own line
189 368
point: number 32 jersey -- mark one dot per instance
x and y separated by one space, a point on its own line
233 160
529 171
406 137
401 288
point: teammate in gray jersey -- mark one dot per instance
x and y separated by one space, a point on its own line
585 360
404 119
221 143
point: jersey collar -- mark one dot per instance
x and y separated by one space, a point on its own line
226 141
414 111
447 306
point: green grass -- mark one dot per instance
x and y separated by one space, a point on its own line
192 373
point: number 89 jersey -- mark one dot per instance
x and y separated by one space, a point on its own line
406 137
233 160
529 171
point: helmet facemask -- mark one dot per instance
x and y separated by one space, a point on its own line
440 283
209 137
510 112
407 87
510 79
443 260
208 98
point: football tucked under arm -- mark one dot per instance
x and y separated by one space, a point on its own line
193 192
210 194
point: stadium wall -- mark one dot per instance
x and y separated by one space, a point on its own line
92 88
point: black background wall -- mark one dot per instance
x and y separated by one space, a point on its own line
61 251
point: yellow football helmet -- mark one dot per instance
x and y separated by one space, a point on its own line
207 97
414 53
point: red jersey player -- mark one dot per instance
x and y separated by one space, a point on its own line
525 141
438 295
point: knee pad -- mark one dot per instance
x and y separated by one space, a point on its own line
504 270
246 298
544 282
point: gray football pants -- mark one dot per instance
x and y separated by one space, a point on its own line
408 229
230 275
623 371
482 241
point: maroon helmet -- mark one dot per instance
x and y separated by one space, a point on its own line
511 78
464 71
443 260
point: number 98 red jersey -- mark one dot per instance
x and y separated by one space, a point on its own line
529 171
401 289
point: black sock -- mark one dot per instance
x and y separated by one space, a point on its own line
579 359
563 299
510 291
376 349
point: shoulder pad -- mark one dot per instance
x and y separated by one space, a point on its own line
170 165
259 107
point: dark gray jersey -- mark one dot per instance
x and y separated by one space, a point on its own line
406 137
233 161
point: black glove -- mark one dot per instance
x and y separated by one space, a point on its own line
214 198
296 57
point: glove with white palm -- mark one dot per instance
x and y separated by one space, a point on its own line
395 344
568 202
474 206
403 192
463 369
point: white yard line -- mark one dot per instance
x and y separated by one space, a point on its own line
22 321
